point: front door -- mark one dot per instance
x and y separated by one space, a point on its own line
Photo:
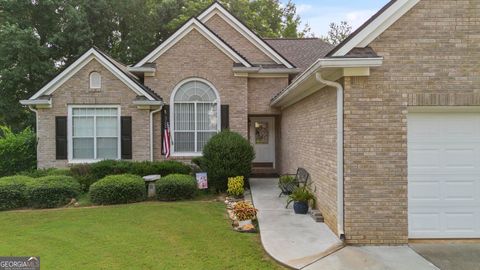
262 137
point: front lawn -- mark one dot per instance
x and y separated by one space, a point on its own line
150 235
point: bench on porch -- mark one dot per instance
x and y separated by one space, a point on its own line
299 179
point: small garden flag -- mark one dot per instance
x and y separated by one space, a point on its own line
202 182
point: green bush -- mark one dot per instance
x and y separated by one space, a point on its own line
52 191
18 151
13 192
227 154
163 168
87 174
176 187
83 174
114 189
199 161
45 172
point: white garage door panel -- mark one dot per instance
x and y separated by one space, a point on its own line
444 175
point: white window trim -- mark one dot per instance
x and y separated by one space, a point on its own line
70 133
172 122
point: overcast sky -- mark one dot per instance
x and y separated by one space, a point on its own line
320 13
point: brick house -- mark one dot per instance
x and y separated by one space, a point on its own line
404 88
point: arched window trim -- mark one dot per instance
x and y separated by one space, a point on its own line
91 80
172 113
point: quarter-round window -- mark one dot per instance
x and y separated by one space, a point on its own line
195 111
95 80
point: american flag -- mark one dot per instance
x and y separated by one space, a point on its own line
166 140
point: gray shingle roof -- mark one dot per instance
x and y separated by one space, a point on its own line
302 52
357 52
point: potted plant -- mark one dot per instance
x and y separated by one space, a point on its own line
301 197
245 212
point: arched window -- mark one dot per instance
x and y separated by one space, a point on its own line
194 116
95 80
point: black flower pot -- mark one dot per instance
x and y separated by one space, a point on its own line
300 207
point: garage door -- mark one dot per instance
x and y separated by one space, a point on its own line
444 175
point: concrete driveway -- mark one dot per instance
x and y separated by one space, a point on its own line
451 256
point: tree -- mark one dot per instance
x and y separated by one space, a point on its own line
291 22
40 37
338 32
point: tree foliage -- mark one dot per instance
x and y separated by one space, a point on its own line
338 32
39 37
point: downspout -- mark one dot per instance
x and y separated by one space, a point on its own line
151 130
36 119
340 194
36 128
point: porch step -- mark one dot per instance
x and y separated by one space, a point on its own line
264 172
316 215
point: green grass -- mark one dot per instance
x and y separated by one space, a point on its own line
150 235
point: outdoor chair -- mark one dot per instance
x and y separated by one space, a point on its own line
301 178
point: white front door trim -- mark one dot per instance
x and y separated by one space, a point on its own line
264 149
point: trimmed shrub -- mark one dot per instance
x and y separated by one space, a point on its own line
115 189
83 174
88 174
13 192
52 191
176 187
18 151
199 161
227 154
163 168
45 172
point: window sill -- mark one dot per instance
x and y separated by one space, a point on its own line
186 154
83 161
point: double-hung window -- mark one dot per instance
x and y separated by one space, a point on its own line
195 116
94 133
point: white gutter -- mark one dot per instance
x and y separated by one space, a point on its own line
328 63
266 70
42 102
141 69
340 193
148 102
151 130
36 119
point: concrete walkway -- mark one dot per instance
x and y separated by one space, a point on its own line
293 240
299 242
373 258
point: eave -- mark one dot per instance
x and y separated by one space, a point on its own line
39 103
332 68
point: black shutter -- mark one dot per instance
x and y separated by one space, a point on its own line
225 117
61 137
163 124
126 137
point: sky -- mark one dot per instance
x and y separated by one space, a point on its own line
320 13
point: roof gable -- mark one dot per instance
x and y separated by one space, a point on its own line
374 27
194 24
104 60
217 9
